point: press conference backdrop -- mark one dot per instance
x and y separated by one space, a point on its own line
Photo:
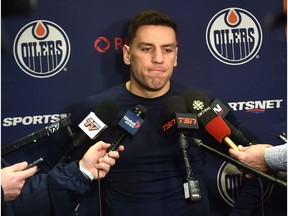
55 53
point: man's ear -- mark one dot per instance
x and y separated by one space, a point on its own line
176 59
126 54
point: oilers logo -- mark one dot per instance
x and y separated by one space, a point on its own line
234 36
41 49
229 182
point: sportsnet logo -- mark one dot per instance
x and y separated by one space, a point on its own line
256 106
234 36
41 49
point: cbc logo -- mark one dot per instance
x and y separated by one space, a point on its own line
41 49
234 36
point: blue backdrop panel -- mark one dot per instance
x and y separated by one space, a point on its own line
65 50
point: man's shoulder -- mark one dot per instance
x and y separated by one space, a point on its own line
108 94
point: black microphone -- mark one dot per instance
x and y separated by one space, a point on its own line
181 123
92 126
179 120
128 126
36 135
198 103
239 164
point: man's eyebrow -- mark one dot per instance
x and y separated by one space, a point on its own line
150 44
170 45
145 44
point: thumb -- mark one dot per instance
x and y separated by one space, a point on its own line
242 148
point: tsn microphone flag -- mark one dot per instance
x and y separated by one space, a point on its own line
181 121
92 125
131 122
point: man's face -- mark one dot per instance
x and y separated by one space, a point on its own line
152 57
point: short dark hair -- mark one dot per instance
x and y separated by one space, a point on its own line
150 17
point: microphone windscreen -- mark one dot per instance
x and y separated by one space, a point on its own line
177 104
192 97
198 103
218 128
140 111
106 111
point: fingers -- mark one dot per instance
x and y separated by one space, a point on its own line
242 148
234 153
29 172
98 161
108 160
18 166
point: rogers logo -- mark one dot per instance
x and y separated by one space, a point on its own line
99 41
41 49
103 44
256 106
234 36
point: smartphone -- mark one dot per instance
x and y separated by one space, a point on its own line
34 163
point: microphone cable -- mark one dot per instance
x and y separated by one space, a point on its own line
99 194
262 195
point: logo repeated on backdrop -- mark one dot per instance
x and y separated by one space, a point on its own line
102 44
229 181
33 120
234 36
41 49
256 106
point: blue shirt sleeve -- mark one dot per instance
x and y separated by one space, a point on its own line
276 157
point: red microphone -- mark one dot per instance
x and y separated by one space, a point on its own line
197 103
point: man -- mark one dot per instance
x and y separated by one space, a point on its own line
148 178
41 194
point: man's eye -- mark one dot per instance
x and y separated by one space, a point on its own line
168 50
146 49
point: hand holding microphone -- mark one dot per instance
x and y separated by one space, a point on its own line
97 161
253 156
92 126
128 126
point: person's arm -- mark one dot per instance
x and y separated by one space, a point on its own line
263 157
253 156
276 157
68 184
61 190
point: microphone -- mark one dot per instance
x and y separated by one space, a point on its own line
180 124
181 120
36 135
92 126
197 103
222 110
239 164
128 126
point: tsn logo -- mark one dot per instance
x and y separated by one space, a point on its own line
183 120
